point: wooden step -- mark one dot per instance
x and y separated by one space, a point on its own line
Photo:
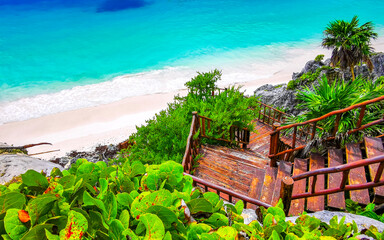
269 185
257 184
315 204
297 205
284 169
336 200
357 175
374 147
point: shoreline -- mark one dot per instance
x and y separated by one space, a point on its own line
83 129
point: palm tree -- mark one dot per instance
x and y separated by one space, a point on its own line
350 43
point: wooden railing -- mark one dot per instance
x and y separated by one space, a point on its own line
230 195
193 142
270 115
304 131
202 126
343 186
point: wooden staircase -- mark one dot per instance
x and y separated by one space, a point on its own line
248 172
256 173
371 147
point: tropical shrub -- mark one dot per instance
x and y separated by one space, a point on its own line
326 98
136 201
164 137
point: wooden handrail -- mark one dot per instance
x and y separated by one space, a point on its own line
312 126
345 169
230 193
332 113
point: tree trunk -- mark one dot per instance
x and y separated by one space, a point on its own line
353 73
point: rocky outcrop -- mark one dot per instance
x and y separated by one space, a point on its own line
280 96
12 165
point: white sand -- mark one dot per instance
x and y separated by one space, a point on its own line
112 123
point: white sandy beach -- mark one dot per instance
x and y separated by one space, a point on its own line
112 123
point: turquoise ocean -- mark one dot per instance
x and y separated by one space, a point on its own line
59 55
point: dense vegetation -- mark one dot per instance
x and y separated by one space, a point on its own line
340 94
134 201
164 137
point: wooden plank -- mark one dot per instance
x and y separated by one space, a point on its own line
269 184
315 204
335 158
374 147
297 205
284 169
257 184
357 175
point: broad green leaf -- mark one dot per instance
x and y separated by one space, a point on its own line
173 172
277 213
199 205
97 222
103 188
212 236
116 230
37 232
13 226
87 168
137 169
90 201
153 181
59 221
213 198
167 236
34 179
217 220
167 216
110 204
67 181
274 236
291 236
239 207
162 197
51 236
12 200
130 233
40 206
124 218
153 224
77 225
124 199
227 233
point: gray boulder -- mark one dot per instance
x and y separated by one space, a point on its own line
278 96
12 165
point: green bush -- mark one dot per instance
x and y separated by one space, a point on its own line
136 201
326 98
164 137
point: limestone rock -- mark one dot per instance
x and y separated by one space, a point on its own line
12 165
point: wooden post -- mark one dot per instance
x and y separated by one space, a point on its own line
361 116
274 145
337 122
286 192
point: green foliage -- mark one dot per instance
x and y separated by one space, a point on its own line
164 137
110 210
204 84
319 58
368 211
326 98
306 78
